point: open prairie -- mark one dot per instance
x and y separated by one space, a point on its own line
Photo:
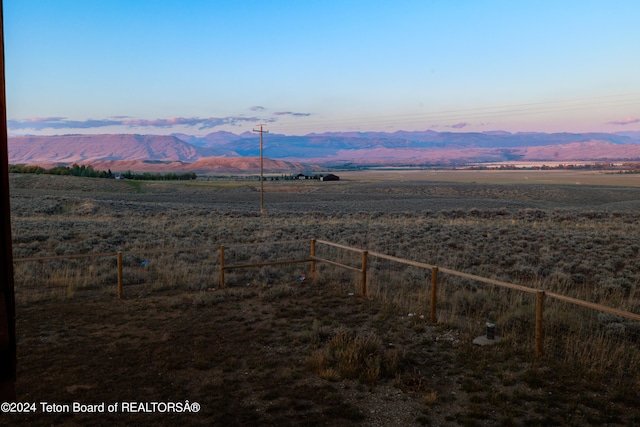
276 347
498 176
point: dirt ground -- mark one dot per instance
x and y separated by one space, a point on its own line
243 355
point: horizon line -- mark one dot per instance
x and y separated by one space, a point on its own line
247 132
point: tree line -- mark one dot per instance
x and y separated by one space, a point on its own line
90 172
171 176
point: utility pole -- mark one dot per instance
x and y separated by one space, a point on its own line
261 131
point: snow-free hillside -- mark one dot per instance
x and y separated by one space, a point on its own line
225 151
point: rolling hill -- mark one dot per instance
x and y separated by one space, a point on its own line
229 152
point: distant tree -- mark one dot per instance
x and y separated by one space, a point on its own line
59 170
90 172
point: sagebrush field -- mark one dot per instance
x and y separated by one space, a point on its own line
277 348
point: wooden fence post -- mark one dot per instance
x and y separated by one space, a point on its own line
312 273
221 266
119 255
434 293
364 273
539 313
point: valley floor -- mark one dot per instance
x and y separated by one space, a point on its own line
273 350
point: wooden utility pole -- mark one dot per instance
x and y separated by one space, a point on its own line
261 131
7 298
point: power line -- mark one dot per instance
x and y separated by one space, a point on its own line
261 131
521 109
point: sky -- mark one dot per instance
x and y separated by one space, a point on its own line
299 67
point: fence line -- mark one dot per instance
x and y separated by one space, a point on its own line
118 255
599 307
158 251
247 245
337 264
401 260
224 267
48 258
338 245
264 264
489 281
539 293
313 259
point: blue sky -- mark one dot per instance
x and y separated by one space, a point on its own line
198 66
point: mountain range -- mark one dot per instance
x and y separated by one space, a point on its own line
228 152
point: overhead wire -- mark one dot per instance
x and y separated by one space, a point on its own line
533 108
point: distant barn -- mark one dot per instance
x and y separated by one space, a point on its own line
321 177
302 176
329 177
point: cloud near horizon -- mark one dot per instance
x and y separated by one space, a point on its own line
627 121
460 125
42 123
290 113
39 123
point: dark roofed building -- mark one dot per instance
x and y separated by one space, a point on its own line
329 177
321 177
303 176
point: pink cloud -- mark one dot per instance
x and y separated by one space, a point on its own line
627 121
45 119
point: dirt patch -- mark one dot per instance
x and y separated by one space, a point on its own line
248 356
241 354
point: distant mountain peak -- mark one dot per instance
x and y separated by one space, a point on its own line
379 148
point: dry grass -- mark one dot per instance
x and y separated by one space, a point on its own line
497 177
575 240
362 357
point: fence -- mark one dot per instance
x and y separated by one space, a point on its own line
119 255
540 294
312 259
